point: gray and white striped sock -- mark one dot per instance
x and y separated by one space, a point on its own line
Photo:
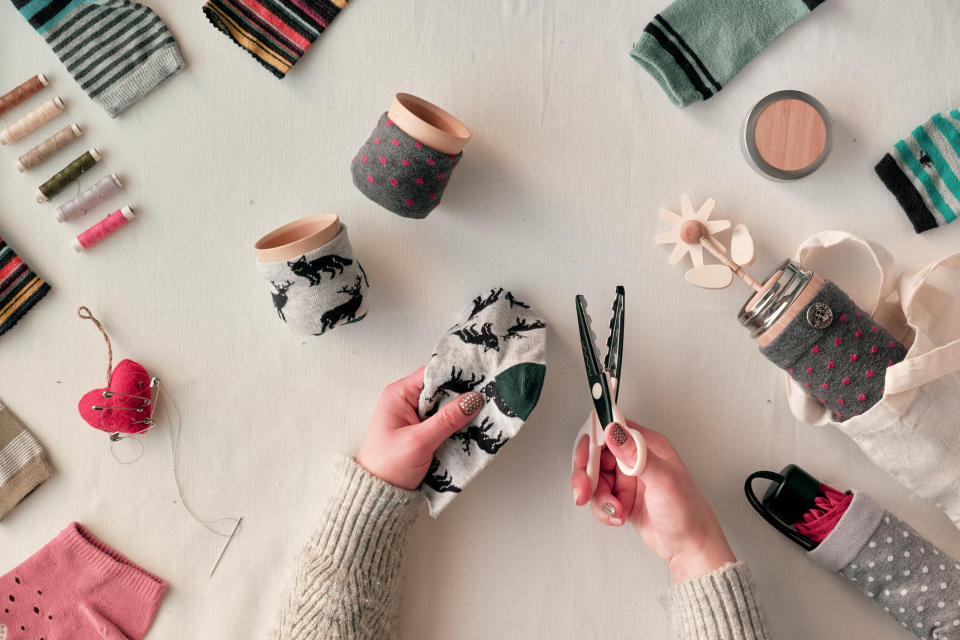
23 463
116 49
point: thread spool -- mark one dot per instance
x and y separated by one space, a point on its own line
40 153
102 229
86 200
18 94
63 178
33 120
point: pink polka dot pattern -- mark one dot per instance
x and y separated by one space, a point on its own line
408 177
822 359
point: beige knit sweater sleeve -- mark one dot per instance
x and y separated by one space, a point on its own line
347 578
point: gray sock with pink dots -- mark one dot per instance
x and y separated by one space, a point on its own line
401 174
839 354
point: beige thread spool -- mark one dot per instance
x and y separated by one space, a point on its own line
30 122
40 153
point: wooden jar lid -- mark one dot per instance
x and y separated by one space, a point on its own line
786 136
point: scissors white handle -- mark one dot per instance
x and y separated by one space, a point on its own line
593 430
638 440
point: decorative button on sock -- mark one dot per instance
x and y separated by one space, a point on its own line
76 588
319 290
23 463
20 288
116 49
922 172
496 348
401 174
844 363
276 33
695 47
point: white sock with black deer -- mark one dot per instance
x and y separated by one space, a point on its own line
498 349
319 290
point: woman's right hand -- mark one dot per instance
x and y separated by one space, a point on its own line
663 503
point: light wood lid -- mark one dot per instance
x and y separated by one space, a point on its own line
298 237
428 123
790 134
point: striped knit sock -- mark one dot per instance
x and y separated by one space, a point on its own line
275 32
922 171
23 463
20 288
116 49
695 47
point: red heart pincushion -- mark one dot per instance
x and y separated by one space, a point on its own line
125 409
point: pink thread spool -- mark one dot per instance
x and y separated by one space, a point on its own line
102 229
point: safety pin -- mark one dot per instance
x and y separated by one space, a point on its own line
154 383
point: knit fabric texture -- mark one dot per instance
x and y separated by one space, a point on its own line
497 348
347 580
914 582
921 171
275 32
401 174
20 288
116 49
844 364
717 606
23 462
319 290
77 588
695 47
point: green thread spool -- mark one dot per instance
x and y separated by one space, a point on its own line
71 172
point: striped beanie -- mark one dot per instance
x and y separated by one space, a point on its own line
116 49
921 171
275 32
23 463
20 288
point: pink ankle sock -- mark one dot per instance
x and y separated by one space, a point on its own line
76 587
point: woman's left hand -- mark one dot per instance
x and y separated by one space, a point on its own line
398 447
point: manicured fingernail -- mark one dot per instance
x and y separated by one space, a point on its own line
609 509
576 496
616 521
618 433
471 402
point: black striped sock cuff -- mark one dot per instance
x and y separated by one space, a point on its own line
906 194
674 65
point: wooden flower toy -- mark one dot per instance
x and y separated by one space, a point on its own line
692 231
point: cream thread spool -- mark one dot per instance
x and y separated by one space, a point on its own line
46 149
102 229
89 198
33 120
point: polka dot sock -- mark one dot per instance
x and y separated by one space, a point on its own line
837 352
401 174
77 588
914 582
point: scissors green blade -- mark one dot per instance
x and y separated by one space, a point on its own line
599 390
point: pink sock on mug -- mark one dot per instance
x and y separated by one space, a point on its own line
77 587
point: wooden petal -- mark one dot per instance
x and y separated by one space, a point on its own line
667 237
696 255
670 217
703 214
679 250
741 246
712 276
716 226
686 207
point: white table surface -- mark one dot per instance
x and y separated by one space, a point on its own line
574 150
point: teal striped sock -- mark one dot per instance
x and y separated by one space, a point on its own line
116 49
695 47
922 172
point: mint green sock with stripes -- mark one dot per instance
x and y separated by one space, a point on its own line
695 47
116 49
921 171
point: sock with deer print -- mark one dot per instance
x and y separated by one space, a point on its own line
496 348
320 289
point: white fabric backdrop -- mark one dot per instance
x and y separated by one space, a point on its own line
575 149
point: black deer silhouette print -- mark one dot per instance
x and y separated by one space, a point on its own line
363 272
521 326
438 482
485 337
480 435
480 303
346 311
516 303
279 295
314 269
491 392
456 384
925 159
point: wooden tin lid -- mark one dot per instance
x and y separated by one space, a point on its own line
787 135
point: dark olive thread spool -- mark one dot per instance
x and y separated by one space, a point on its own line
64 178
